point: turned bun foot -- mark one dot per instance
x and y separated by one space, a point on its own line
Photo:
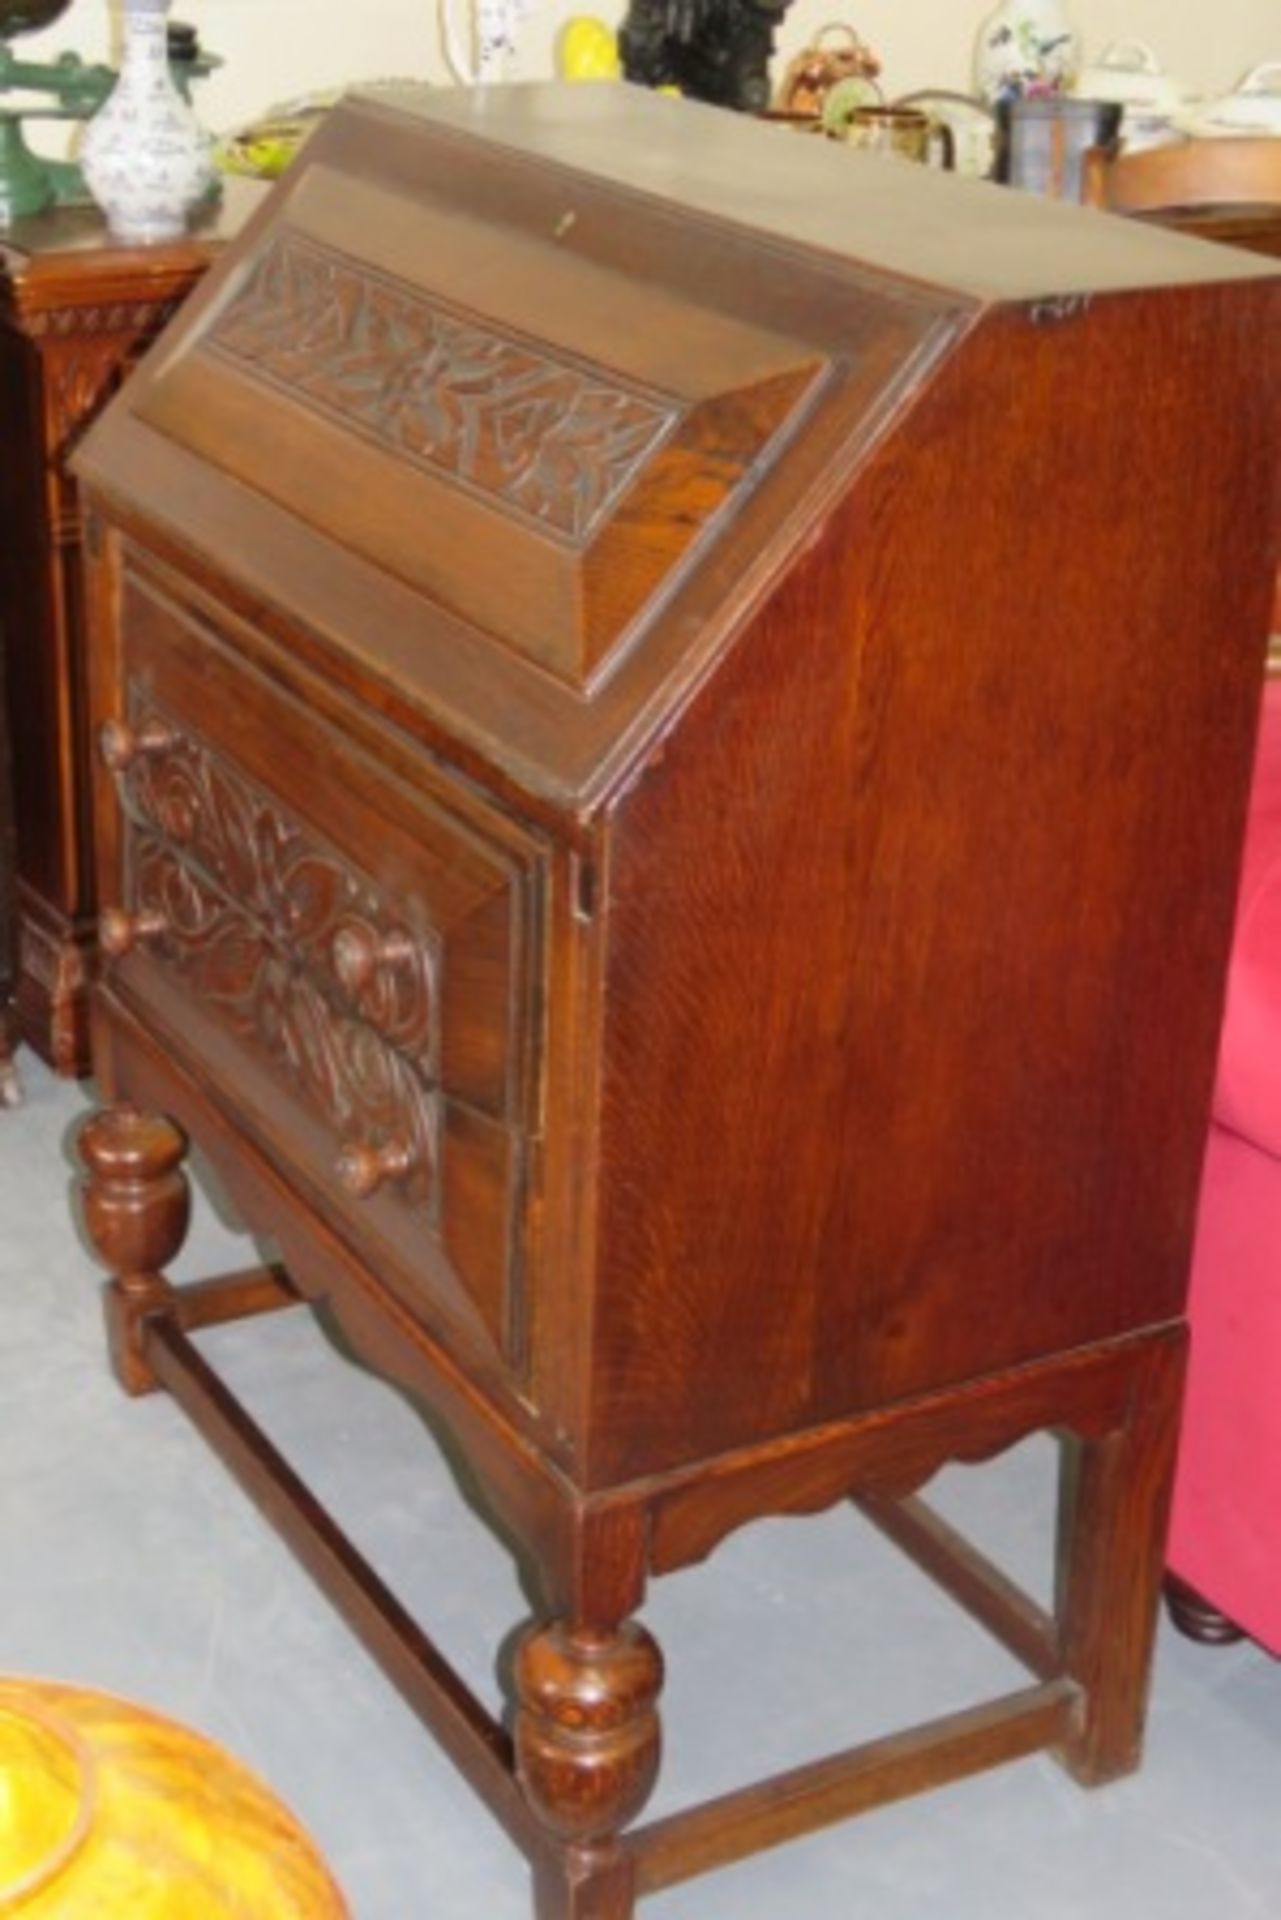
136 1207
588 1743
10 1079
587 1728
1196 1619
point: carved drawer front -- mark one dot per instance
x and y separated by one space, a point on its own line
349 962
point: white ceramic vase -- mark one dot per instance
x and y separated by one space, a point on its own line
146 159
480 37
1025 50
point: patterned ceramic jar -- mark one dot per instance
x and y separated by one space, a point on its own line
492 27
1026 50
146 158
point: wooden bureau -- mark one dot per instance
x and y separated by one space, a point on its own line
676 708
76 310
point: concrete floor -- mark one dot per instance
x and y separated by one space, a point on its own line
131 1562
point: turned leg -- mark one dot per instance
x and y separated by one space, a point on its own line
10 1082
1196 1619
587 1751
1114 1511
136 1206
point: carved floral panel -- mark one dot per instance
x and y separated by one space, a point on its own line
86 353
551 439
256 911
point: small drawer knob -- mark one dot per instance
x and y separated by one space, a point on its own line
121 745
360 954
363 1169
120 932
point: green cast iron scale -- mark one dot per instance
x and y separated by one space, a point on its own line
67 88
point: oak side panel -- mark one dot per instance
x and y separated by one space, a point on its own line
918 922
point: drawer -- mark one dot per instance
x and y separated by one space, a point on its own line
348 961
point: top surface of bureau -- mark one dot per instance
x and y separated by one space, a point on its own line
520 406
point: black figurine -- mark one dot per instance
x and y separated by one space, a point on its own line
717 50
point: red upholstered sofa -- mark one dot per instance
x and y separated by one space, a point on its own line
1225 1540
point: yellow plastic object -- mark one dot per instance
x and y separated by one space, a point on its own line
588 50
266 149
108 1810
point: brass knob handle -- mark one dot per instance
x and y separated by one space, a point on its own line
359 954
362 1170
120 932
122 745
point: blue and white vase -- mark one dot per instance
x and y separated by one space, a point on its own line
1026 50
145 157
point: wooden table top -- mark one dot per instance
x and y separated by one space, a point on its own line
46 254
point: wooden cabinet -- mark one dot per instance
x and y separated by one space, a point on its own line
75 313
9 1083
675 739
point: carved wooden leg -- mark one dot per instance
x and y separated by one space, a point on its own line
1114 1511
1196 1619
136 1207
587 1751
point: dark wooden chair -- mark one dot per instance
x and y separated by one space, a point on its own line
1226 189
